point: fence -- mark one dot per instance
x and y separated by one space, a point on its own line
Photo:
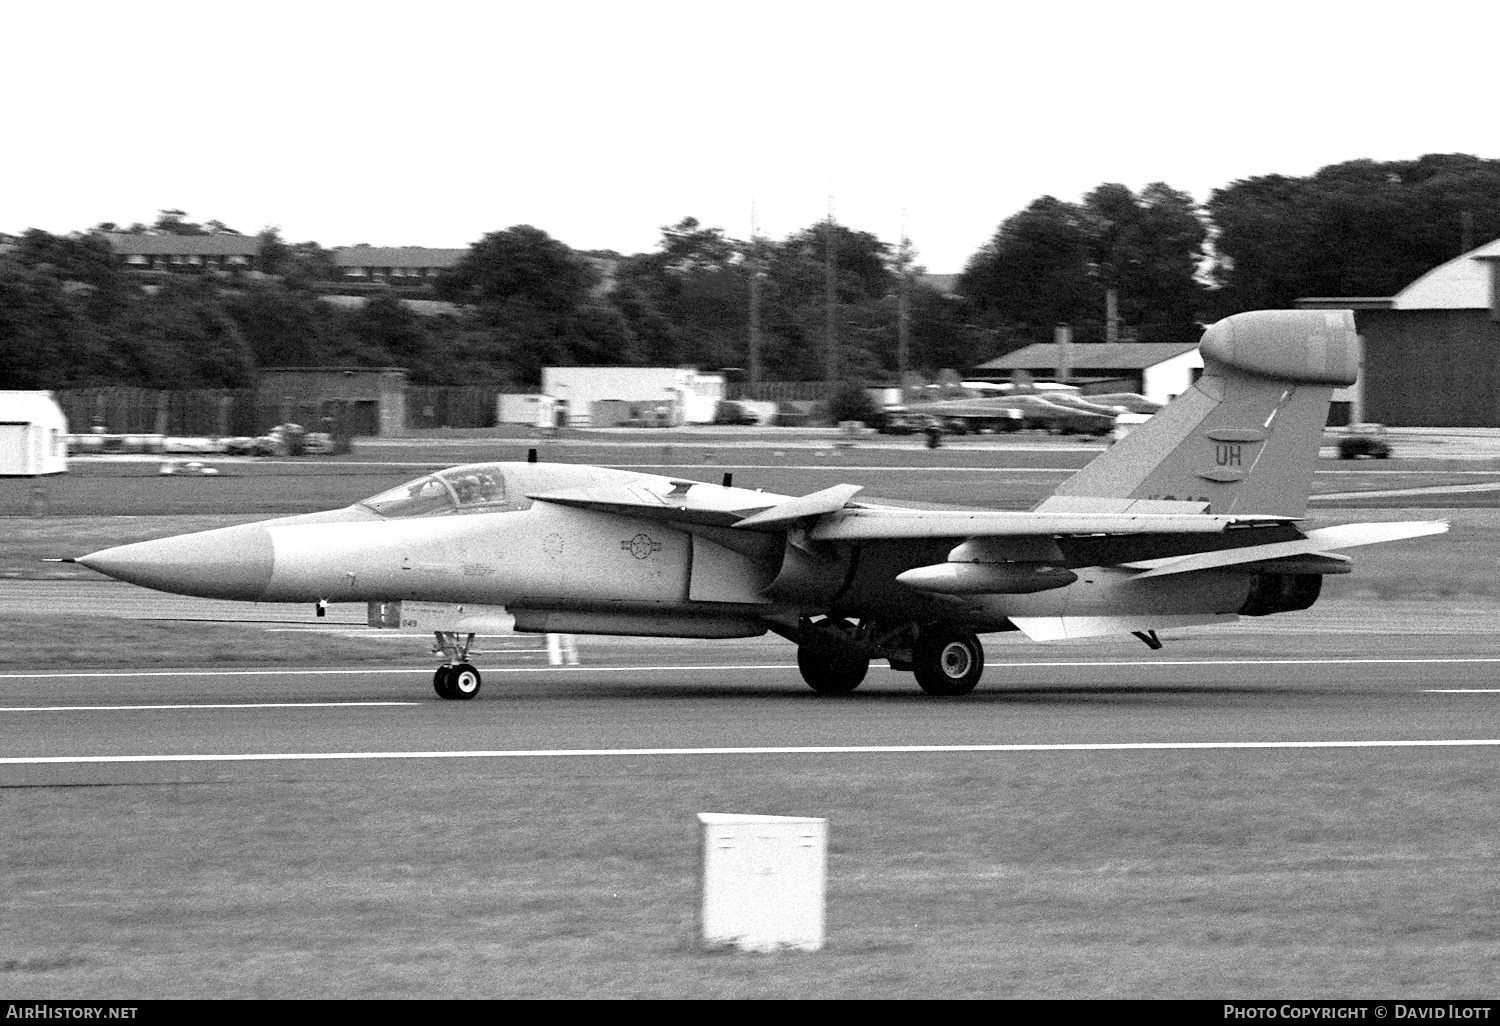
220 412
782 391
189 412
454 406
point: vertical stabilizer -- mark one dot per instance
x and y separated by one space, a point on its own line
1245 437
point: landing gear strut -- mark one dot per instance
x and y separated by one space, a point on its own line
457 678
947 661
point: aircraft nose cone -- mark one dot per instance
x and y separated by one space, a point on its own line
229 563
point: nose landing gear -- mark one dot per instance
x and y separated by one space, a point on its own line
457 678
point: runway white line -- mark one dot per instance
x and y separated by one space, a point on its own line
224 705
581 753
1387 493
375 669
395 466
689 668
1461 691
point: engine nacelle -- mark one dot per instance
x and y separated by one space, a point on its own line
811 577
1281 593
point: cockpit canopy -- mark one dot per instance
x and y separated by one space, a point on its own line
469 489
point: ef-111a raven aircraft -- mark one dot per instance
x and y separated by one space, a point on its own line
1191 519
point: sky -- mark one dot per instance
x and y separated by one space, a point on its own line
432 123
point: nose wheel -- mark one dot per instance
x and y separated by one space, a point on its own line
458 678
459 681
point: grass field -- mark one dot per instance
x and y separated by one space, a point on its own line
1293 874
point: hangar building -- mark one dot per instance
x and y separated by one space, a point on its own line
1432 351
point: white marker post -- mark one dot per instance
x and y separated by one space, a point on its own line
562 650
763 881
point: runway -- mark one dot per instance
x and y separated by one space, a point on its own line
1219 686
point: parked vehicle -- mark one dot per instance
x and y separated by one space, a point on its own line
901 421
1131 402
730 412
1359 440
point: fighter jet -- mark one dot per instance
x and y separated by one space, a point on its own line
1192 519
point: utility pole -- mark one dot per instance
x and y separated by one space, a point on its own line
1111 315
1062 340
754 361
832 297
903 308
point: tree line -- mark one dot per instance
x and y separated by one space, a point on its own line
72 315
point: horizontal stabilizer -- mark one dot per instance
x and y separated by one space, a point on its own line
829 500
857 524
1103 504
1316 542
1070 628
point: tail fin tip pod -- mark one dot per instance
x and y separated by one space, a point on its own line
1244 438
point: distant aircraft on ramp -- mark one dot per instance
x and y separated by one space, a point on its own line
1191 519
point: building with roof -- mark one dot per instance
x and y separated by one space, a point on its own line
343 400
398 264
1432 351
33 435
604 396
1159 371
219 251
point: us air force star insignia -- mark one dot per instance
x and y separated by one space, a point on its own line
640 546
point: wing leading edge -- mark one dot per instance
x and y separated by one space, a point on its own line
1316 543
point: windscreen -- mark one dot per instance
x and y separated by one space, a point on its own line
413 499
460 489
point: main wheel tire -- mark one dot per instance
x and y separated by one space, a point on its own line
947 661
829 671
830 675
463 681
440 682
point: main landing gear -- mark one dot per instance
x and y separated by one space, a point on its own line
830 657
834 655
457 678
947 661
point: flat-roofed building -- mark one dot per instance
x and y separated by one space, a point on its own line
1159 371
654 395
358 400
